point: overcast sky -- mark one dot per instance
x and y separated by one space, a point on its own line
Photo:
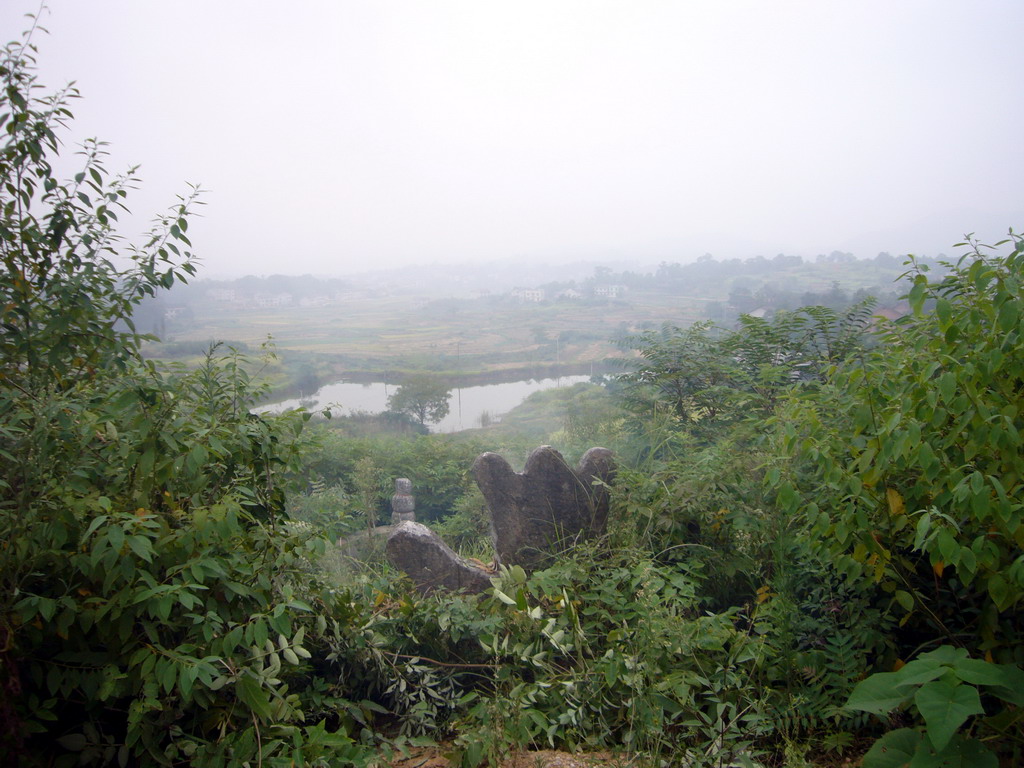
348 135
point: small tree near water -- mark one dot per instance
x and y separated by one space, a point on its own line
422 396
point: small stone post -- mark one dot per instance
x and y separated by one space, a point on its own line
403 505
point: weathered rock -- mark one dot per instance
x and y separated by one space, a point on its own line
431 563
547 508
403 504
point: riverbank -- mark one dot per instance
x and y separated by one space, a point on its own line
496 376
289 382
469 406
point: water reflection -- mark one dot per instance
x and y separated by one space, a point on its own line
468 405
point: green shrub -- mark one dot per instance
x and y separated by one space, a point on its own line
437 465
945 687
613 650
911 464
153 608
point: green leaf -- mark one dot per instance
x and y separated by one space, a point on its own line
787 496
968 562
959 753
166 674
894 750
141 546
905 599
216 683
999 589
945 707
146 462
231 640
1006 680
879 694
921 533
186 679
254 696
115 535
46 607
259 631
96 523
917 293
944 654
521 602
947 386
1008 314
503 597
920 670
73 742
299 605
611 672
948 546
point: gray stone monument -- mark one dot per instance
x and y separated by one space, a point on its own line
548 507
535 516
431 563
403 504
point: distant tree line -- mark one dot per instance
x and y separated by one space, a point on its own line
784 282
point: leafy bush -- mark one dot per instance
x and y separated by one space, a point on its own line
153 609
327 508
912 467
468 528
944 687
704 376
613 649
437 465
604 649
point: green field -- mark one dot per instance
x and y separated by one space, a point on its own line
375 335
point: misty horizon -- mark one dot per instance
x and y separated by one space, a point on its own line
356 136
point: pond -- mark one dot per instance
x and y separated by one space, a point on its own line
467 407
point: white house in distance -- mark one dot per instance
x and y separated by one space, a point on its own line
609 291
222 294
528 294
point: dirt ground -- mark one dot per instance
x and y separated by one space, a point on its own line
433 757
